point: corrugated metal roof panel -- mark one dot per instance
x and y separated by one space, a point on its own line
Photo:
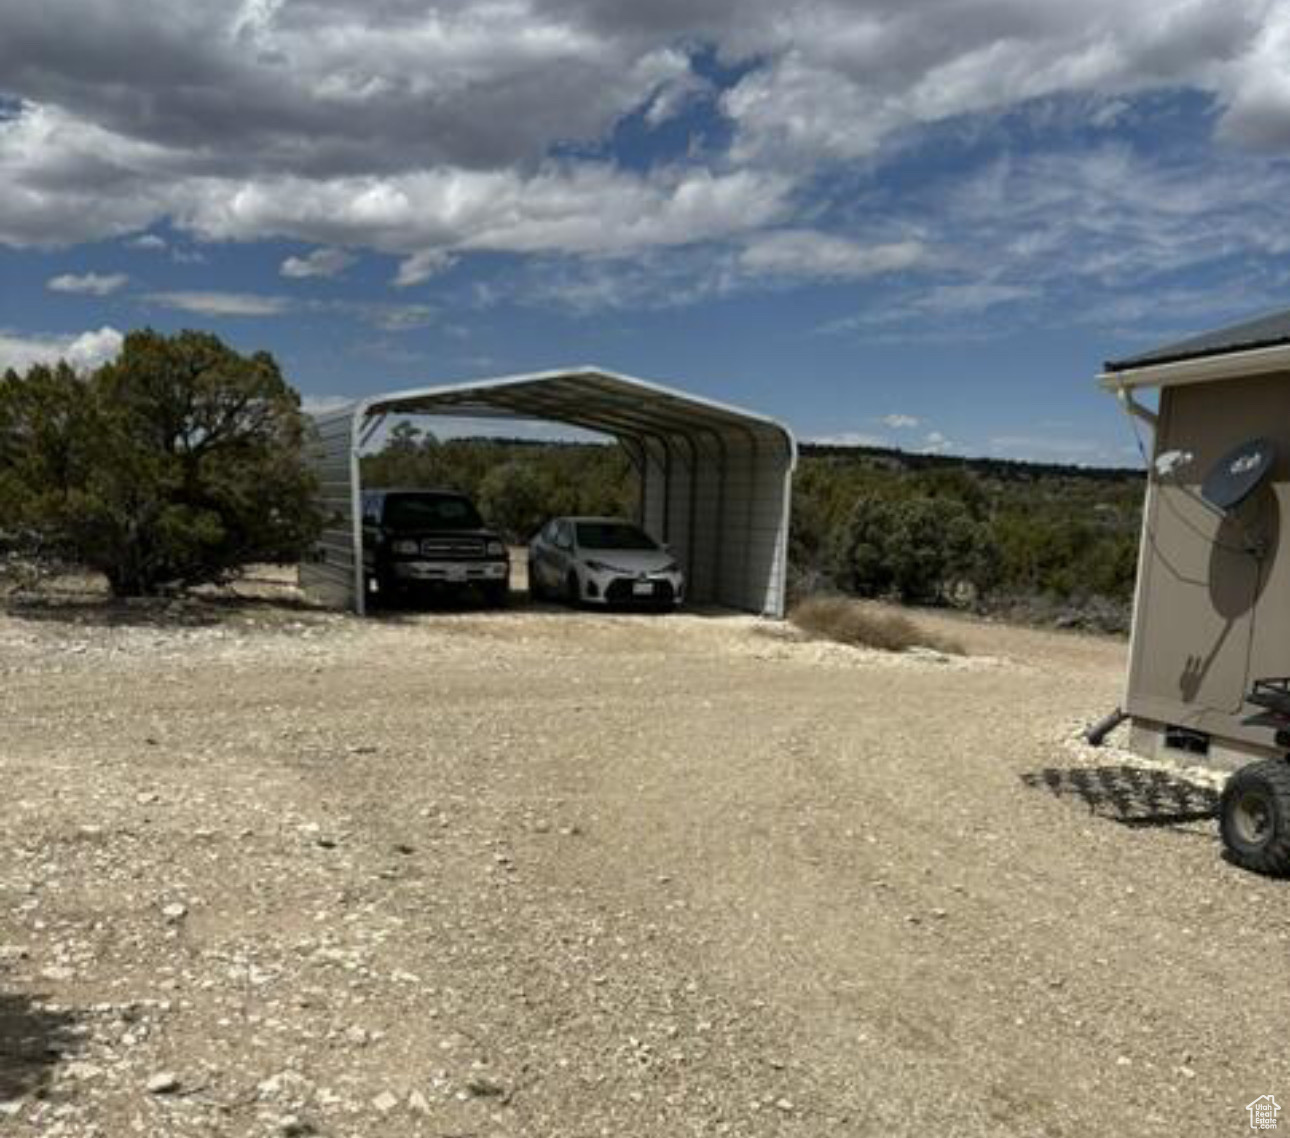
1263 332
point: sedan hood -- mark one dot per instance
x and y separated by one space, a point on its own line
630 560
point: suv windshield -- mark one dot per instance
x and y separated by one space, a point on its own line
430 511
613 535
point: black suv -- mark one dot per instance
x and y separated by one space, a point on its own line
429 538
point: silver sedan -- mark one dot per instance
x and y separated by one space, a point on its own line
603 561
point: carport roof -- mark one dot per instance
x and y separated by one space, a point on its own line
586 396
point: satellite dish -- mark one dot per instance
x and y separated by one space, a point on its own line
1236 475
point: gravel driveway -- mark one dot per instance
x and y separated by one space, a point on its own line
268 871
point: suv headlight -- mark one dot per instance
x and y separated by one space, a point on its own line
496 549
406 547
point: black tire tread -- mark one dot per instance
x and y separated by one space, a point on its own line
1273 858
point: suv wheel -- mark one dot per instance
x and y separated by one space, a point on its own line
572 591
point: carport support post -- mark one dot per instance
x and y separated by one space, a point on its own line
637 453
667 488
785 514
719 527
751 516
356 433
692 529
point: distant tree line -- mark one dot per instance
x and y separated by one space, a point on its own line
1048 542
516 484
181 462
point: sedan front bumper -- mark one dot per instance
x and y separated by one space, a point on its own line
612 588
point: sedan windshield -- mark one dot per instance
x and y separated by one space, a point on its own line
430 511
613 535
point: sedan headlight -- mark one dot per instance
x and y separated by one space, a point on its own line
496 549
600 567
406 547
671 567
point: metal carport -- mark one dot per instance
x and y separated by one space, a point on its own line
715 481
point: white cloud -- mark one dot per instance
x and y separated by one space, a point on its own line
841 78
807 253
674 96
1065 449
898 422
393 317
972 297
849 439
1256 85
147 241
222 303
92 284
84 351
936 443
428 132
322 262
420 267
941 304
1053 448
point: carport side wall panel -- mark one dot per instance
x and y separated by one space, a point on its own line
766 534
753 533
328 572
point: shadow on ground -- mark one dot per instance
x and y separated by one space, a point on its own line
1132 796
466 602
33 1041
85 602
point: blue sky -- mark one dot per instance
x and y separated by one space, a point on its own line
912 225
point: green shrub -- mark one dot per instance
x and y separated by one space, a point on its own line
511 497
176 464
921 549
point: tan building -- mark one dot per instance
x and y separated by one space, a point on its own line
1212 610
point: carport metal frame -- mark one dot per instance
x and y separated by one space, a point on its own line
741 461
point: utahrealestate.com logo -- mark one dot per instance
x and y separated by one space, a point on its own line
1263 1113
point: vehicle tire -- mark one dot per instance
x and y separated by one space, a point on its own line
572 591
536 592
1254 817
497 593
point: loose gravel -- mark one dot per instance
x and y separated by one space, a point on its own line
271 871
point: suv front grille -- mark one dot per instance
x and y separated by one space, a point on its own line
458 547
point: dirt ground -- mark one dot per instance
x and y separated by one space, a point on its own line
271 871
